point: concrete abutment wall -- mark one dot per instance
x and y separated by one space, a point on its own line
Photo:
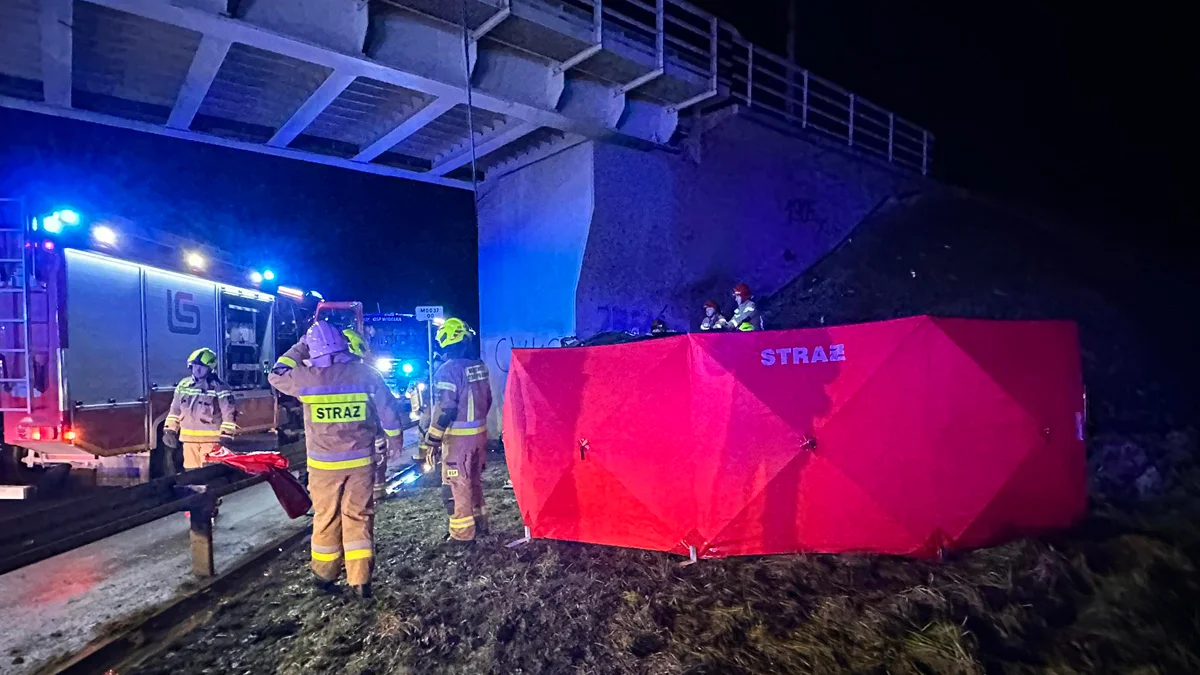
602 237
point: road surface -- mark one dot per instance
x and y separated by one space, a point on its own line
59 605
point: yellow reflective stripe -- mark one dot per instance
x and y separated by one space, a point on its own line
334 398
199 432
360 554
172 418
325 557
286 361
334 466
469 431
392 432
470 405
462 523
448 386
435 433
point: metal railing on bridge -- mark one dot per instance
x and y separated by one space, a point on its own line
685 36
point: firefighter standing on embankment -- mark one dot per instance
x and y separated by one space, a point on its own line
344 400
462 398
712 317
745 317
203 413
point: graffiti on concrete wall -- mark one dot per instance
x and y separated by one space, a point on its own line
498 353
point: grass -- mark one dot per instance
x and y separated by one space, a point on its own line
1117 595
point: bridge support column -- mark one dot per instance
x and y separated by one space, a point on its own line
533 229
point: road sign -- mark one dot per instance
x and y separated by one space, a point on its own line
429 313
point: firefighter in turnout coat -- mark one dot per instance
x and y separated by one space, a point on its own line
458 429
344 399
203 413
359 349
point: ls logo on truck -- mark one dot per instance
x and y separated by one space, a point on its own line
794 356
328 413
183 314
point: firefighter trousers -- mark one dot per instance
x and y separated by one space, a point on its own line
343 523
463 460
194 454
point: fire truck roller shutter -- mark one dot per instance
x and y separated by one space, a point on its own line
104 330
181 317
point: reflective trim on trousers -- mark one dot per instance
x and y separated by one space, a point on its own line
466 431
321 556
462 523
334 466
392 432
359 554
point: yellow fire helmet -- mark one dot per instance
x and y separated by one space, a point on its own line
358 344
453 332
204 356
746 327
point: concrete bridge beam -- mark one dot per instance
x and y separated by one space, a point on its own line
337 24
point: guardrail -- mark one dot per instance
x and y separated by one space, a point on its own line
686 36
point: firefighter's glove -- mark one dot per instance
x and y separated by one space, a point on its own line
171 438
429 457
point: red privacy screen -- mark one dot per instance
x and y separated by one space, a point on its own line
909 437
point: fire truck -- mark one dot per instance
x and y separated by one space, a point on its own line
93 341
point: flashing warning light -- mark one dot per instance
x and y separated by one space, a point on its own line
195 261
293 293
383 365
68 216
49 245
316 295
52 224
104 235
70 435
421 387
35 434
439 321
257 277
407 368
268 275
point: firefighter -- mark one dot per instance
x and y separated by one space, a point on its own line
745 317
203 413
358 348
344 402
712 317
458 429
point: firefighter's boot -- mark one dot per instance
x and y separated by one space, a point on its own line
363 591
324 586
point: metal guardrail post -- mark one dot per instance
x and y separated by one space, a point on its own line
660 34
201 535
924 153
850 126
749 74
804 106
660 56
891 135
713 46
597 40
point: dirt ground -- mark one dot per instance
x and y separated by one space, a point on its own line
1117 595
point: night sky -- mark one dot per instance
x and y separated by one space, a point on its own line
1076 110
347 234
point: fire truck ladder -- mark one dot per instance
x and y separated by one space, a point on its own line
16 392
